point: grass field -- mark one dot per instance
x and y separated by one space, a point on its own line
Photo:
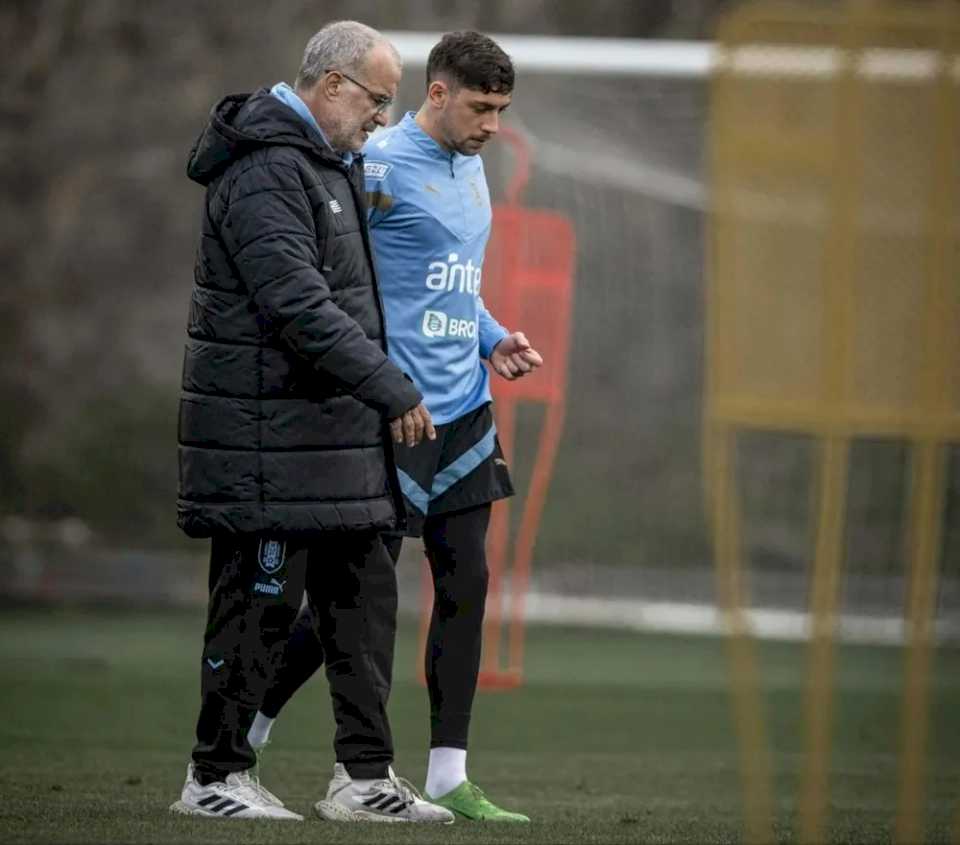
616 737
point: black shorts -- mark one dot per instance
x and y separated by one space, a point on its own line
463 467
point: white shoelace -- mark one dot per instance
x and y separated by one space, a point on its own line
408 792
250 785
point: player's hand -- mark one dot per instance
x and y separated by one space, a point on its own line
514 357
412 426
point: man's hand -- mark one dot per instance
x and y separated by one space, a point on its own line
514 357
412 426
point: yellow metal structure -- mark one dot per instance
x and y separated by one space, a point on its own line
833 310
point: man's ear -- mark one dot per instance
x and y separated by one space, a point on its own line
329 85
437 93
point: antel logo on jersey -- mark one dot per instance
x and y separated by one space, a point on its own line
450 275
438 324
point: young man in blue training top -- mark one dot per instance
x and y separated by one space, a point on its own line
430 220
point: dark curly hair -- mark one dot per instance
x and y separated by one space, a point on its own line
471 60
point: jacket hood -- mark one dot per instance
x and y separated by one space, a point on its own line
241 123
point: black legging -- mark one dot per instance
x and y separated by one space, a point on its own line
455 547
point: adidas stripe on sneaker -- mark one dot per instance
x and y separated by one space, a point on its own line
238 796
390 799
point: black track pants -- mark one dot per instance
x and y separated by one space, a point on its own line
455 547
256 586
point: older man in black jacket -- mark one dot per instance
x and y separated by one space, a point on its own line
289 403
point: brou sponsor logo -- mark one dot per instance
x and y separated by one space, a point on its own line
434 323
438 324
451 275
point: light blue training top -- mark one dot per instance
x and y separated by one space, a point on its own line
430 220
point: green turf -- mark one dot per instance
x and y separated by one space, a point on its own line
616 737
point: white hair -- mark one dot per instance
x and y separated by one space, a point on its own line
342 45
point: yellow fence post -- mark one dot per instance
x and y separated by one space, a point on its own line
927 493
833 310
731 589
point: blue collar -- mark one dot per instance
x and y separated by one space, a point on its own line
286 95
409 125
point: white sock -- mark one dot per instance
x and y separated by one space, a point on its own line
446 770
259 733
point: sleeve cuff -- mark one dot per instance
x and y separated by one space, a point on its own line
390 391
489 341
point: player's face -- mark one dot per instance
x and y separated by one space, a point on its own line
470 118
363 99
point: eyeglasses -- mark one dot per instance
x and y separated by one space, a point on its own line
381 101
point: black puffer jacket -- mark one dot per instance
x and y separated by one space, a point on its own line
287 388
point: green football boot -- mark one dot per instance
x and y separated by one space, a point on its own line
468 802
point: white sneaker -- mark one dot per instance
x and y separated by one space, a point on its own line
239 797
392 799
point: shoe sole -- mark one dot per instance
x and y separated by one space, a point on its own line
183 809
488 819
500 818
331 811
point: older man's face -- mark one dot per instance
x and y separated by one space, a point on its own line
364 98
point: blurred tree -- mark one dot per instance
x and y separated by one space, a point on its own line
32 36
99 102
